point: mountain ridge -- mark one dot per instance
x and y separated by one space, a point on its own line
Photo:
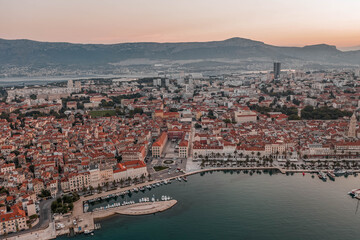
24 52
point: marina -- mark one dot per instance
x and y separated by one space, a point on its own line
317 202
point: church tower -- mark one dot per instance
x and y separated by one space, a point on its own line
352 126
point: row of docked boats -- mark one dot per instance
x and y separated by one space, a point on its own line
126 203
146 199
333 174
130 191
113 205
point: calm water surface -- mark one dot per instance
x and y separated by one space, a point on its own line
224 205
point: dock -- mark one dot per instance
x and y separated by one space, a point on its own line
88 218
135 209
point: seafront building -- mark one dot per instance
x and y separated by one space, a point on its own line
158 146
12 221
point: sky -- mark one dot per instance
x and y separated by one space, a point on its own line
277 22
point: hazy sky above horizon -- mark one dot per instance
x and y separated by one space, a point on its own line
278 22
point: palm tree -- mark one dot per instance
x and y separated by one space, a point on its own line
142 177
135 180
121 182
91 188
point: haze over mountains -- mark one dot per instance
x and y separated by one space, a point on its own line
234 51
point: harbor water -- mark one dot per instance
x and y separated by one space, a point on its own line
232 205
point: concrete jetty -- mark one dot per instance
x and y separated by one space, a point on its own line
86 221
135 209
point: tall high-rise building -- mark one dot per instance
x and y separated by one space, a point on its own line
352 126
277 69
357 72
70 84
78 85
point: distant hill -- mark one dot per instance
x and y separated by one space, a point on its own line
353 48
33 53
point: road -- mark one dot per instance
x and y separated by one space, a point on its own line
44 220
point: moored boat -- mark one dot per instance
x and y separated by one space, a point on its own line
331 175
86 231
354 192
322 176
339 172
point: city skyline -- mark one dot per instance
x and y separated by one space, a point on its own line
275 22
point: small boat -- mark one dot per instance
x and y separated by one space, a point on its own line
331 175
354 192
142 189
322 176
86 231
339 172
185 179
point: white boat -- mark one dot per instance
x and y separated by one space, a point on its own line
86 231
322 176
354 192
